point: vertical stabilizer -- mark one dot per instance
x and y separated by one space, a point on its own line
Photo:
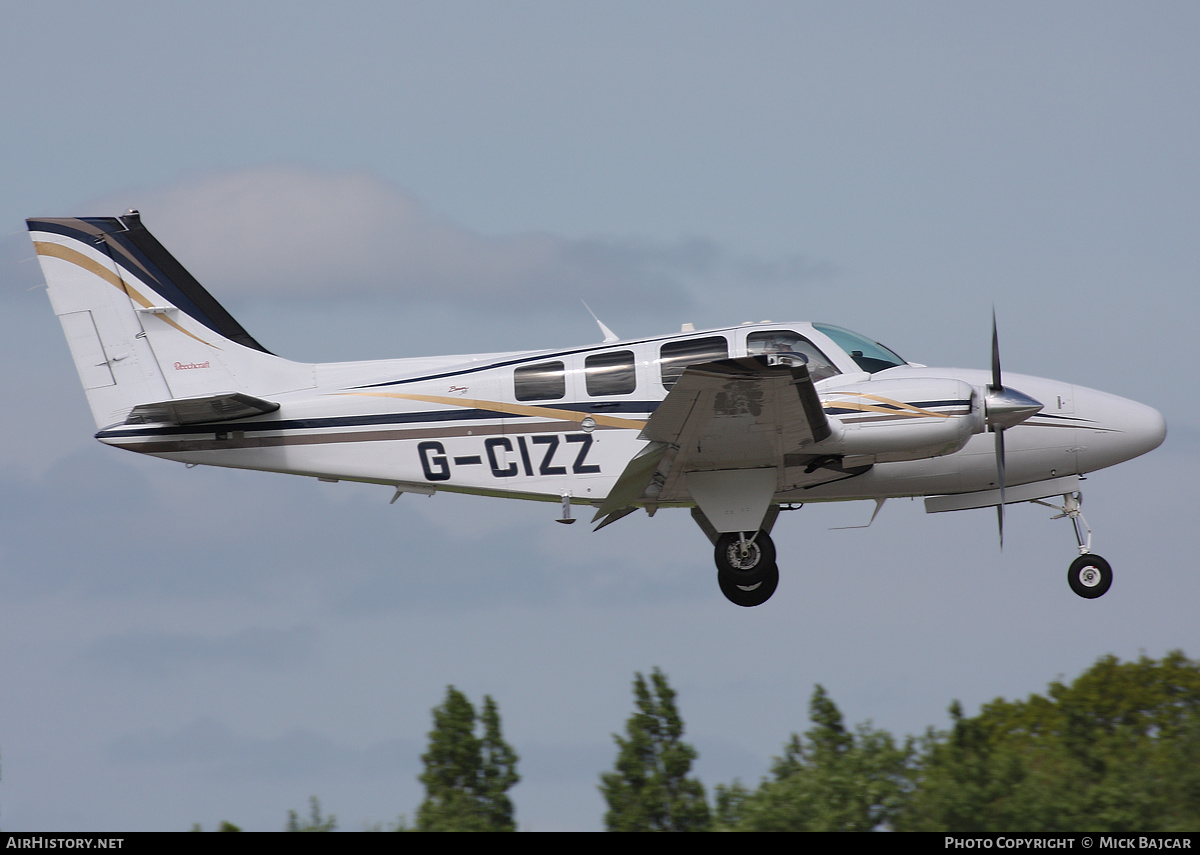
141 329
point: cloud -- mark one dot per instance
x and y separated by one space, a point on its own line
273 230
158 654
211 746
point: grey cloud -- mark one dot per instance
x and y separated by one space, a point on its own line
210 746
279 229
792 269
162 654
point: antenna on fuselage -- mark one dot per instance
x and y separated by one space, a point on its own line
609 335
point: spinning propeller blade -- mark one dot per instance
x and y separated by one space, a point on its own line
1004 408
998 386
1000 470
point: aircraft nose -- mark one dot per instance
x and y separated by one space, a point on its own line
1116 429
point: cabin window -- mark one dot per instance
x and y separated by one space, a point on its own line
786 345
546 381
678 355
610 373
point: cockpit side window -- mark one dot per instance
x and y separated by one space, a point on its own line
787 346
870 356
546 381
678 355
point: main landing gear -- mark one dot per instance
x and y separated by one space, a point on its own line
746 568
1089 576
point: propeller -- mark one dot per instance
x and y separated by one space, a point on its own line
1003 408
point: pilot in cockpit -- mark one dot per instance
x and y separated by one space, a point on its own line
786 347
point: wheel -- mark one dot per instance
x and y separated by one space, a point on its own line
1090 576
744 563
750 595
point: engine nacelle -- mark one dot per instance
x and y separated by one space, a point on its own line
906 419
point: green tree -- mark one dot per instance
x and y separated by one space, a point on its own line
498 771
729 804
832 779
225 825
315 821
1116 750
467 777
650 789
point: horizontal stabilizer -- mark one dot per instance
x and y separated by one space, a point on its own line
208 408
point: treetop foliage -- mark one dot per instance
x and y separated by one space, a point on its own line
467 777
650 789
1115 750
315 821
1118 749
831 779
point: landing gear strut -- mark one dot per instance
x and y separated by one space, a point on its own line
1089 576
746 569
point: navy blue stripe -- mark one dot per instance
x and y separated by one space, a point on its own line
100 225
466 414
350 421
526 358
1053 417
304 424
543 356
140 253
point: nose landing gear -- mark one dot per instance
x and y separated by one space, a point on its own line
1089 576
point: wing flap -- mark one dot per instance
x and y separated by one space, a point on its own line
738 414
632 483
731 414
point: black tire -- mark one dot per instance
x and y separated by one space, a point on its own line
751 595
1090 576
744 570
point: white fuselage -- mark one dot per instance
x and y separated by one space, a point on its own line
465 424
731 422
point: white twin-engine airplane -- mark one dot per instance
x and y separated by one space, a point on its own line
736 423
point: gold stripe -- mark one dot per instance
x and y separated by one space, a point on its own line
870 408
910 407
905 409
73 256
511 409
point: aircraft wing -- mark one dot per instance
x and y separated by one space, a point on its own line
732 414
207 408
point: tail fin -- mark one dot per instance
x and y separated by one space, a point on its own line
141 329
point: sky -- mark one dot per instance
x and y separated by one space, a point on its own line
375 180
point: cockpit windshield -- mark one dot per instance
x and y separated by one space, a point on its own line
871 356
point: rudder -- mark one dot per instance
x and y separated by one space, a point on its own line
141 329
